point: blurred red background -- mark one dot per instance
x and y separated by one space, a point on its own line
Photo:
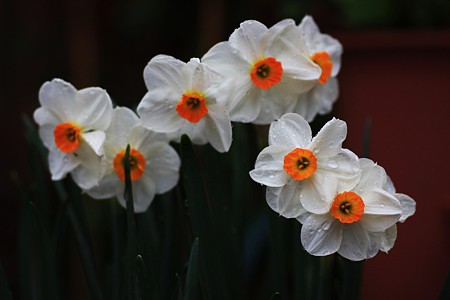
396 75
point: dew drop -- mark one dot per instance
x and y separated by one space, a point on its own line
332 164
316 150
326 226
271 177
381 205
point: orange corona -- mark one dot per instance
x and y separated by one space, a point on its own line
266 73
300 163
323 59
347 207
192 106
137 164
67 137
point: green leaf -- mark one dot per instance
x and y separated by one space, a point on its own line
212 279
192 274
49 280
130 274
143 285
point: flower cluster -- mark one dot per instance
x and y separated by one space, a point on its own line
346 204
284 76
87 138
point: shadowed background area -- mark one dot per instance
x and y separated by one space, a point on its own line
394 76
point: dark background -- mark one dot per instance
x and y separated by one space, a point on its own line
395 73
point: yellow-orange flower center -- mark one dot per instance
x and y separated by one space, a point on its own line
300 163
67 137
266 72
347 207
192 106
323 59
137 164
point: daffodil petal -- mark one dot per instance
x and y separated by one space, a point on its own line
143 194
227 61
321 235
317 192
157 114
218 128
269 167
58 96
285 200
344 167
88 173
95 139
61 163
318 100
164 71
291 130
328 141
94 109
43 116
408 206
163 167
355 242
247 38
109 186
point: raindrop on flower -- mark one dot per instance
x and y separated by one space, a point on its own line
332 164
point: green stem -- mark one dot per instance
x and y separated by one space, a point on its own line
131 224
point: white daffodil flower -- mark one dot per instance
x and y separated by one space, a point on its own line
302 173
326 52
323 51
262 77
71 125
181 100
154 164
360 221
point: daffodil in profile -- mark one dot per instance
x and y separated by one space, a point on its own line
302 172
359 221
154 164
181 99
71 125
323 51
262 77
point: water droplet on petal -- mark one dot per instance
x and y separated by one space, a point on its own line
332 164
326 226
